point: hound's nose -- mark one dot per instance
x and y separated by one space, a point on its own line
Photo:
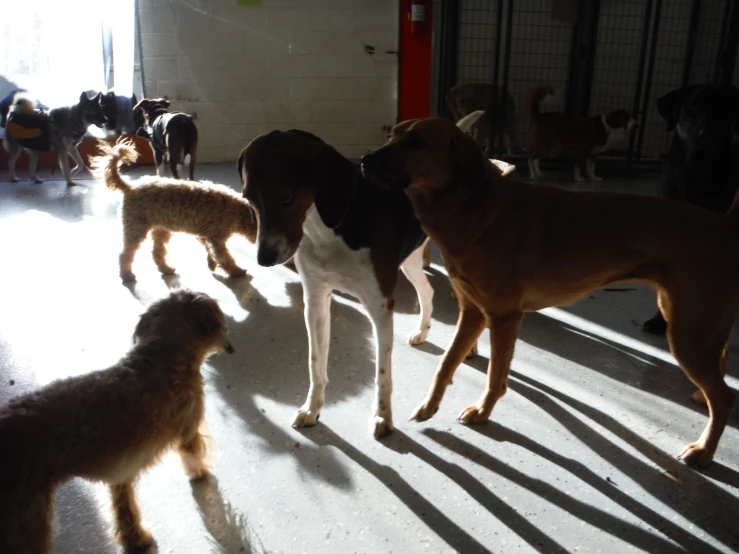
267 256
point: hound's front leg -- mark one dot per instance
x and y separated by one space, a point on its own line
318 324
381 418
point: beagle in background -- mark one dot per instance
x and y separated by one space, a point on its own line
346 235
580 138
512 248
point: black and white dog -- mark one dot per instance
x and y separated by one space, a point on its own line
702 164
66 126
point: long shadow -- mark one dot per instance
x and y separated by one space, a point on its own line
229 529
697 494
435 519
588 513
270 363
619 362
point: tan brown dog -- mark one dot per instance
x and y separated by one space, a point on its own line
171 134
110 425
512 248
211 212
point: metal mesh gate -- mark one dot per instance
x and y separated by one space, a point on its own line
615 54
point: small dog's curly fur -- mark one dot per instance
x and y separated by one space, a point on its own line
211 212
110 425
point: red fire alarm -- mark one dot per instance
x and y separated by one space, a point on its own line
417 16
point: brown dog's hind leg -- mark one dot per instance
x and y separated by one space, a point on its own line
469 326
161 238
193 452
225 260
129 530
702 358
503 334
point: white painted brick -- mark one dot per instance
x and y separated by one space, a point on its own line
245 71
382 66
148 47
166 44
158 20
161 69
178 91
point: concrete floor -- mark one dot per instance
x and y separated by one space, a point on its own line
578 457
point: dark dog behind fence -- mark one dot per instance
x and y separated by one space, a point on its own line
617 54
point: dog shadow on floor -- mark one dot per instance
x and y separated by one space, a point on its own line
229 529
271 361
456 537
690 496
80 527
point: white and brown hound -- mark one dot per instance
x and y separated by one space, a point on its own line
346 235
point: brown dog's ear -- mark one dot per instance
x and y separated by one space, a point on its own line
334 183
469 163
670 104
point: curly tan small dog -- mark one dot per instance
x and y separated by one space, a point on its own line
211 212
110 425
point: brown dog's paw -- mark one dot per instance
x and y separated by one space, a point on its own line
238 272
698 398
425 411
136 538
695 454
127 276
212 263
473 414
166 270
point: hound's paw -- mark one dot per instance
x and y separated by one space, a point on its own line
37 180
695 454
138 537
698 398
380 426
14 179
596 179
473 414
425 411
306 418
238 272
418 336
71 184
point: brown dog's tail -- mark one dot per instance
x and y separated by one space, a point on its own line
534 98
105 166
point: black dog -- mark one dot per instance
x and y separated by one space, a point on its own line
702 165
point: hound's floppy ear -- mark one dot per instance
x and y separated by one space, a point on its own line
670 104
469 163
334 183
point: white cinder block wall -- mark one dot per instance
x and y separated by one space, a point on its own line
247 69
